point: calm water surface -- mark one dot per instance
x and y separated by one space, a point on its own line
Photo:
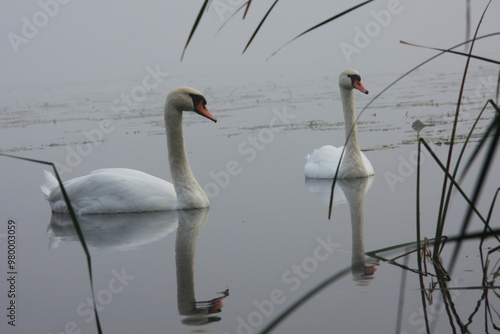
266 240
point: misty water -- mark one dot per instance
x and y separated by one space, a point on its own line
266 239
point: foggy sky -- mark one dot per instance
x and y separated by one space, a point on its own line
98 40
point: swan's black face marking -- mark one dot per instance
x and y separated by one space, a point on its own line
200 106
354 78
197 99
356 83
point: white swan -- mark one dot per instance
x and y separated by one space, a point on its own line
323 162
120 190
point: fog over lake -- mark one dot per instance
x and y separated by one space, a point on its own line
83 85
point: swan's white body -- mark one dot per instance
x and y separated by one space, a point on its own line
120 190
323 162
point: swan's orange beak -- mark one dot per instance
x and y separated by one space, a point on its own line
203 111
359 86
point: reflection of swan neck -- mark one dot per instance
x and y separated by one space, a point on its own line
196 313
185 248
357 223
354 190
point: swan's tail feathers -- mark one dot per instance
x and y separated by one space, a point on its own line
49 183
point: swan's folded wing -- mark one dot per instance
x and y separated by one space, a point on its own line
322 163
116 190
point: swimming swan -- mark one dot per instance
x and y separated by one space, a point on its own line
120 190
323 162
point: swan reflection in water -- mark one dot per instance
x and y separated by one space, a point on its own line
122 232
113 232
191 223
352 192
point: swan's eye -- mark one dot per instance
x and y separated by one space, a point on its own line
354 78
197 99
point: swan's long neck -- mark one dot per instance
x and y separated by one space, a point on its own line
351 127
189 192
353 160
